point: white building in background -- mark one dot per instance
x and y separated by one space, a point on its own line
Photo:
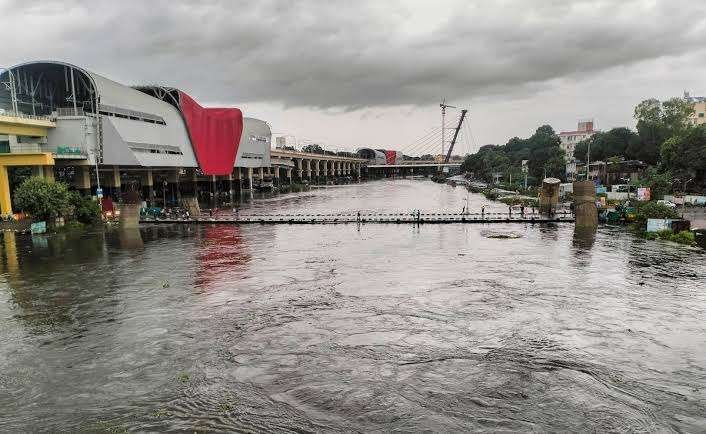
699 104
569 140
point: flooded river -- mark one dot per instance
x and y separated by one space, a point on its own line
347 328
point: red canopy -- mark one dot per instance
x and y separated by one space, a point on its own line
215 134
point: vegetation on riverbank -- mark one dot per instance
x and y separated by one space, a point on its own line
683 237
655 210
666 140
46 200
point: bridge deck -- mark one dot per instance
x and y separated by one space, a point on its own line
423 218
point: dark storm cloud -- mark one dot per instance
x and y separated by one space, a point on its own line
350 54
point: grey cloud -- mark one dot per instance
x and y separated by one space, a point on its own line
351 55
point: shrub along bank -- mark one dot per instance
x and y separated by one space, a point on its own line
45 200
654 210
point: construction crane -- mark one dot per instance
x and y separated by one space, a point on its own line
453 141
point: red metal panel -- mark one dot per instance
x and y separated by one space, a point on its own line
390 157
215 134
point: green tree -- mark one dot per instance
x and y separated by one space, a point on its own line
604 145
685 156
545 154
313 149
42 199
541 149
659 182
486 162
85 209
656 122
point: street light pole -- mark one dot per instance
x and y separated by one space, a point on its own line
588 161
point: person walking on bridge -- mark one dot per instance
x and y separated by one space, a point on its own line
482 211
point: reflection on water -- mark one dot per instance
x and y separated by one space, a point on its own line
352 328
584 238
223 256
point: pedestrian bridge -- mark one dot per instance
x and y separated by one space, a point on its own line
376 218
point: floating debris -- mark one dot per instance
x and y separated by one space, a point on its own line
501 235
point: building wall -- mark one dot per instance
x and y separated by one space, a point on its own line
699 116
255 144
136 141
71 133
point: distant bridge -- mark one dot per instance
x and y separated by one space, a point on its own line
414 164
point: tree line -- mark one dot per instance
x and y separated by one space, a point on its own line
544 156
666 138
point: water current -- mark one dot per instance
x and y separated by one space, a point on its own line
322 328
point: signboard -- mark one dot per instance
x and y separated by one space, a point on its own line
38 227
525 168
643 194
69 150
99 192
255 142
601 190
658 225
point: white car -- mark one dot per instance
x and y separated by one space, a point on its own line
668 203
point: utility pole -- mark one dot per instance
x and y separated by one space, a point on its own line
588 160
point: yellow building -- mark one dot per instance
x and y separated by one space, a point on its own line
21 137
699 110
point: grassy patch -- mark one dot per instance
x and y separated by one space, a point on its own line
183 378
684 237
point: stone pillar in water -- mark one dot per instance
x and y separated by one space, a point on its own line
585 204
549 196
192 205
130 210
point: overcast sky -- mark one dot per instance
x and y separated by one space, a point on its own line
354 73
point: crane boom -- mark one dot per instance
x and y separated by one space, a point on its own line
453 141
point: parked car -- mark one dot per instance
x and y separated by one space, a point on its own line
668 203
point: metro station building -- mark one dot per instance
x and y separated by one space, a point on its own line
63 121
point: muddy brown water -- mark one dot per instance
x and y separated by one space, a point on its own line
352 328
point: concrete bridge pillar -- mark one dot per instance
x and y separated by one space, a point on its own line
231 189
82 181
173 178
48 172
112 180
308 169
275 175
148 185
237 177
249 177
317 170
300 168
